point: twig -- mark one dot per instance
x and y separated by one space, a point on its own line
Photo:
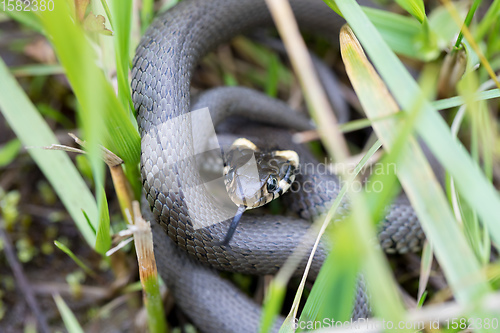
22 281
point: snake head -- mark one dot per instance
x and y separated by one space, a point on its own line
254 177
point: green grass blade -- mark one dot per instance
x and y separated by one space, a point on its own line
103 241
336 280
9 151
77 260
28 18
467 21
67 315
385 297
93 91
427 198
401 33
33 131
426 43
382 286
36 70
459 100
379 200
482 139
104 120
397 30
333 293
488 20
88 83
272 305
122 18
108 13
443 25
167 5
50 113
415 8
425 272
272 76
147 13
470 181
406 36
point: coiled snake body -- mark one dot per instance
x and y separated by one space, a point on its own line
163 66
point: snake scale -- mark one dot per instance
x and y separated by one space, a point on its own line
187 256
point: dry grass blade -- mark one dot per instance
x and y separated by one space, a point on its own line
143 238
315 95
320 111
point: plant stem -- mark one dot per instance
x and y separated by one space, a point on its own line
468 20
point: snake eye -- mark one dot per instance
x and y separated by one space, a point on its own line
272 184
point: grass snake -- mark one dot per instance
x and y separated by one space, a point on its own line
162 69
